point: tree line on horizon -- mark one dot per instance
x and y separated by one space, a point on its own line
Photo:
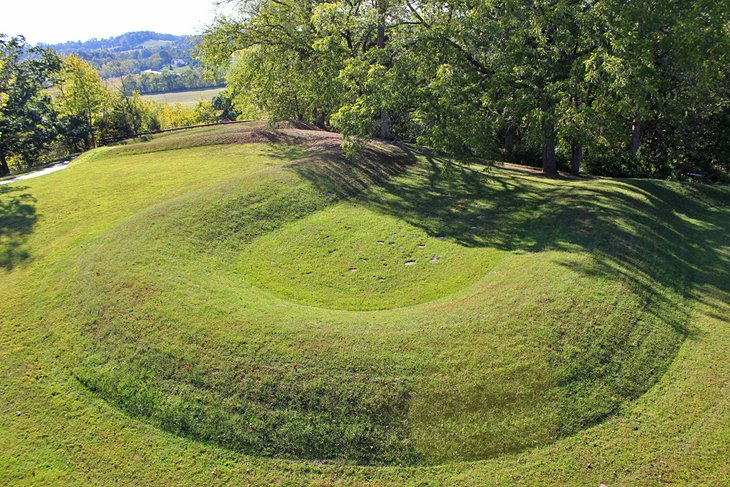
150 83
611 87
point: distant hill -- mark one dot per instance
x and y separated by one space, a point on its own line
150 62
124 42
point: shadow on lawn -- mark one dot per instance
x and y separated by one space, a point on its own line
376 165
662 240
646 232
17 219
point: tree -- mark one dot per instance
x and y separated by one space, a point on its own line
280 64
519 61
378 77
27 119
82 102
127 116
611 86
222 107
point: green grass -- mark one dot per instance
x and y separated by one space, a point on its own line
194 309
185 98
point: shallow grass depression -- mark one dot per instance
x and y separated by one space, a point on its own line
253 289
350 257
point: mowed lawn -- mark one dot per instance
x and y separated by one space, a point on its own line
244 305
185 98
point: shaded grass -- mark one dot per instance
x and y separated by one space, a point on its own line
17 218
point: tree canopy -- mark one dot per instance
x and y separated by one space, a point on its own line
622 87
27 120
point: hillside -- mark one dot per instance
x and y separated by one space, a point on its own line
243 304
150 62
125 42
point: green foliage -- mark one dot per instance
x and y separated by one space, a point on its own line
27 120
128 116
168 81
223 107
90 112
131 54
634 89
82 103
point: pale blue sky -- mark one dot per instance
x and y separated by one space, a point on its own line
53 21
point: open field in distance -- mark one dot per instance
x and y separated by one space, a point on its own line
184 98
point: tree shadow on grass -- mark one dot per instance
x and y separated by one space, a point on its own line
643 231
661 241
646 232
17 219
330 171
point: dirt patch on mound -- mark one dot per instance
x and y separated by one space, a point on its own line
317 139
255 132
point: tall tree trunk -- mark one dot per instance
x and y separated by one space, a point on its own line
575 158
318 118
384 115
4 169
549 159
382 10
509 142
92 135
385 124
636 135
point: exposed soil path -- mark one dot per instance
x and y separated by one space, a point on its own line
35 174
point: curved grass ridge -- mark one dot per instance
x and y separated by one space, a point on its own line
579 305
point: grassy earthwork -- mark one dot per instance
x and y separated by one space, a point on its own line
243 304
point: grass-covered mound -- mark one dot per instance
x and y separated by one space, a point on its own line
255 290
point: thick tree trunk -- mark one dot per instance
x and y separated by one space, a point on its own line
318 119
384 115
4 169
384 124
576 158
549 159
636 135
509 142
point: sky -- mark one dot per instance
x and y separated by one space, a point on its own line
55 21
